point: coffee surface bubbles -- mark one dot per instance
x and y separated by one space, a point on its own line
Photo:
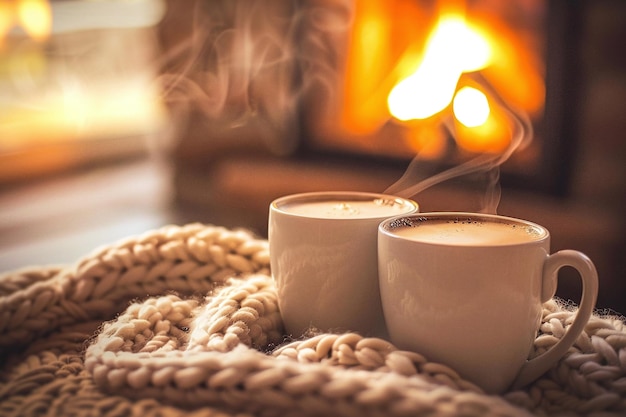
347 208
469 232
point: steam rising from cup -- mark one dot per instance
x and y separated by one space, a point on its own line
521 131
243 62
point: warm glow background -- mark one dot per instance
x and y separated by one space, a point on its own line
75 79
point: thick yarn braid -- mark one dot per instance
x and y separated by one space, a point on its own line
190 260
209 334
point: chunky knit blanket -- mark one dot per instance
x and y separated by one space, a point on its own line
184 321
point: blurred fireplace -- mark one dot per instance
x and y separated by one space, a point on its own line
309 81
431 52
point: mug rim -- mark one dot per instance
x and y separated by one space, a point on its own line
275 205
385 226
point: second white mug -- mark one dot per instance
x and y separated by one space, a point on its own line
466 290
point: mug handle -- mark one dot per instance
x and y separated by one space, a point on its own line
535 367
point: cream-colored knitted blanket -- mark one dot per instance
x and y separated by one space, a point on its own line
184 321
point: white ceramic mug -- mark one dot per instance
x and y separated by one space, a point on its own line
323 259
466 290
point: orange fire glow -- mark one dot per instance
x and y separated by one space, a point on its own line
471 107
452 49
414 75
33 16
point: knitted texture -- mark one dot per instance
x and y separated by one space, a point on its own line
185 321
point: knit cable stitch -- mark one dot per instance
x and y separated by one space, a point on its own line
204 333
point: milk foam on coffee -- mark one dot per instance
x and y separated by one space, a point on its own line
469 232
346 208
